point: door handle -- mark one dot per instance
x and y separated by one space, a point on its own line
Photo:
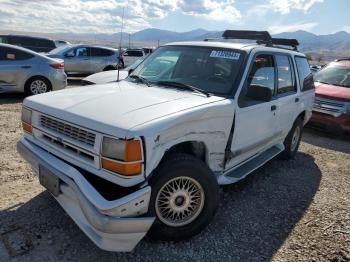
26 67
296 100
273 108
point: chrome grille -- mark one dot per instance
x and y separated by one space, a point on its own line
327 106
68 130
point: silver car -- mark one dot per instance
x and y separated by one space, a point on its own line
84 59
22 70
110 76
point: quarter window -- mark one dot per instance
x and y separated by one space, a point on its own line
285 75
305 76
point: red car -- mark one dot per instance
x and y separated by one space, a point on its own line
332 102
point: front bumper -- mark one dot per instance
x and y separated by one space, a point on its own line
330 122
111 225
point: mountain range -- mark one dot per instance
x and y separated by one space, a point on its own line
321 47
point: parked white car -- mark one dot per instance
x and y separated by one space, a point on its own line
147 154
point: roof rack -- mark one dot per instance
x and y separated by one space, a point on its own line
342 59
261 38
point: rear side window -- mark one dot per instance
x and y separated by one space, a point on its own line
305 76
285 75
10 54
101 52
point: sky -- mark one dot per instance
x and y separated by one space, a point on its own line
105 16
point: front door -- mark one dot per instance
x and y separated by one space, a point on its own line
255 119
78 60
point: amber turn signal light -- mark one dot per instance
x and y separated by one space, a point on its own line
27 127
128 169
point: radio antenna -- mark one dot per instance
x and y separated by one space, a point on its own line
120 42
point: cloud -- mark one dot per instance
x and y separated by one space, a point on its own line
276 29
104 16
285 6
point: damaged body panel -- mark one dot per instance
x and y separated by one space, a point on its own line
146 155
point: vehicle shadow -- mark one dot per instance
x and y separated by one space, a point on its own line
328 140
254 219
11 98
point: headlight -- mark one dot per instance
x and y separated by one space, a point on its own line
121 156
27 120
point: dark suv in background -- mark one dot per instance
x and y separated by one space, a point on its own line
37 44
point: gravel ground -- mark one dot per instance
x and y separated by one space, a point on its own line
294 210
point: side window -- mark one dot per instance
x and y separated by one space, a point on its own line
81 52
286 77
101 52
305 76
260 83
9 54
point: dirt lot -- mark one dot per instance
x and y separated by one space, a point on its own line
286 211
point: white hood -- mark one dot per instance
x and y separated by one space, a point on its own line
115 108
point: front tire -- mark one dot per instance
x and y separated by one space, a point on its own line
184 199
292 141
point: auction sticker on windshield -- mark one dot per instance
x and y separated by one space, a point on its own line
225 54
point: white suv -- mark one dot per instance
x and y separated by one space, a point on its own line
147 154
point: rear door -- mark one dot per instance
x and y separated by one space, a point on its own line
15 67
287 95
101 58
77 60
255 121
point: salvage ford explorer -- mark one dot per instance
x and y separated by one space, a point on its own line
146 155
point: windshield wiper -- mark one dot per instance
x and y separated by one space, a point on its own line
183 86
141 79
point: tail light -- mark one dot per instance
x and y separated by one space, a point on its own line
57 65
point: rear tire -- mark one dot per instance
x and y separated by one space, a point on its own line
37 85
292 141
184 199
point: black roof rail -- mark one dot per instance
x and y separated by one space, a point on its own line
286 42
342 59
261 38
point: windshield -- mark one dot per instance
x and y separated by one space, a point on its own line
211 69
60 50
334 75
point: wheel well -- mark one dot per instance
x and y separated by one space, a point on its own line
37 76
302 116
193 148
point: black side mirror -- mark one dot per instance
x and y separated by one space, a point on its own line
130 71
259 93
